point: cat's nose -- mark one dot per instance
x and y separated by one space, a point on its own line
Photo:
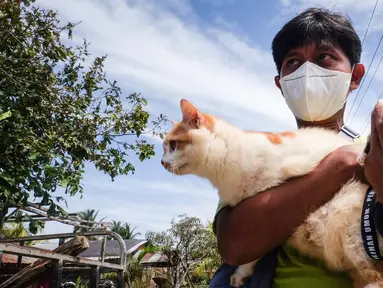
165 164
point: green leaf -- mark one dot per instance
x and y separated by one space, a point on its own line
5 115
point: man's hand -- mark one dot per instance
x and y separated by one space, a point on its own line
374 161
349 154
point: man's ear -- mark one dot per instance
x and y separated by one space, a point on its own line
357 76
277 83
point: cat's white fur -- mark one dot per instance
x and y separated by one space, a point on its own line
240 164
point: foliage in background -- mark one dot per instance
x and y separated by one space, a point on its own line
212 259
149 248
135 275
124 230
58 113
87 215
187 243
16 230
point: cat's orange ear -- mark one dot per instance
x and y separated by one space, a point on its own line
190 114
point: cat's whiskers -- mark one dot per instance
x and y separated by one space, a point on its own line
184 164
183 180
175 171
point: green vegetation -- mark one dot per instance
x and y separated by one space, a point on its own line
58 111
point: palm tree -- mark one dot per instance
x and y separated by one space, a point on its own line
87 215
124 230
16 230
129 232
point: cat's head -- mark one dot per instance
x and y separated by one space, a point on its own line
187 145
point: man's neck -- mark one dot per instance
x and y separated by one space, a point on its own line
335 126
334 123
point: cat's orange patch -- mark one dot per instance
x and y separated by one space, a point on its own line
276 138
208 122
181 131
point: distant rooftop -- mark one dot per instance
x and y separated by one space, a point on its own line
112 248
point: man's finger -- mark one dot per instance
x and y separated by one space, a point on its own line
379 121
374 137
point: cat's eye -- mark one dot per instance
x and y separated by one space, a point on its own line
173 145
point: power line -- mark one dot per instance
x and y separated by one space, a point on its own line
369 22
364 78
364 38
365 92
333 7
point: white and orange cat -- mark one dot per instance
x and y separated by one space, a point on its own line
241 163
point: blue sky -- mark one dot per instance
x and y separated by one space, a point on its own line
215 53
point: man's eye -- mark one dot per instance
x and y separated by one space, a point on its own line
324 57
292 62
173 145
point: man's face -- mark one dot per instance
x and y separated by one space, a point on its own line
327 56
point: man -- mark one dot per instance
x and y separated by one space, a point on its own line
325 45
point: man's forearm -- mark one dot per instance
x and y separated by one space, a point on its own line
262 222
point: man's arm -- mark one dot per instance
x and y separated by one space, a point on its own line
260 223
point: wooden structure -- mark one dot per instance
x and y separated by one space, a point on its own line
63 259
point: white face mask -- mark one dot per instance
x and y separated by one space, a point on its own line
314 93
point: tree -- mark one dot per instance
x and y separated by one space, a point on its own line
87 215
16 230
212 258
58 113
185 243
124 230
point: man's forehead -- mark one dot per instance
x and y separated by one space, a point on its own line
321 46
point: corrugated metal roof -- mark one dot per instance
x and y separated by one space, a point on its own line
112 248
157 257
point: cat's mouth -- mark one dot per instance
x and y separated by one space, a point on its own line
175 169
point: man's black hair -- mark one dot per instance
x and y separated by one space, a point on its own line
318 26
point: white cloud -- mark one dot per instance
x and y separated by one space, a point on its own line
153 50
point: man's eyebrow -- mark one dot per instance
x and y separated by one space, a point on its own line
292 53
325 46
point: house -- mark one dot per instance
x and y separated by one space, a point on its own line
112 248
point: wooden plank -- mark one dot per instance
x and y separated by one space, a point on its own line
56 273
73 247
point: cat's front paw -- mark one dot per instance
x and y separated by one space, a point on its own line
237 280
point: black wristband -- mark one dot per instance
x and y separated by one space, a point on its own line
378 217
368 228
